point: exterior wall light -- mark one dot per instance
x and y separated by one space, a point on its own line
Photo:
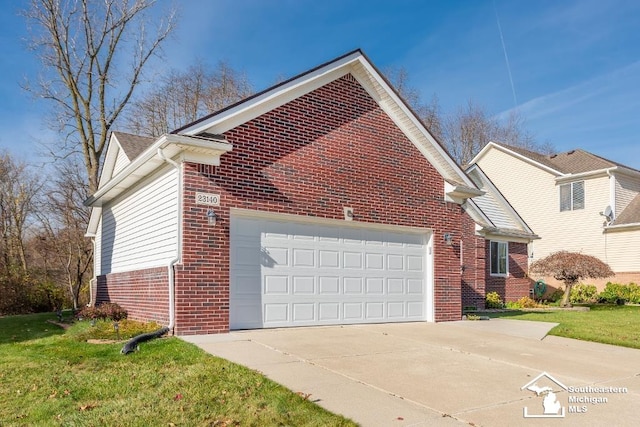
212 217
448 239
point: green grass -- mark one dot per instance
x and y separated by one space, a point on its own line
50 377
608 324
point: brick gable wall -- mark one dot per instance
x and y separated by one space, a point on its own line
517 285
331 148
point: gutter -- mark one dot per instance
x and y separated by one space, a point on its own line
172 263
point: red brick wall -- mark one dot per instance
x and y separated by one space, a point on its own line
517 285
473 266
331 148
143 293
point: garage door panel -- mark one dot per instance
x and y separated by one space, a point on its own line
311 274
276 285
304 312
352 285
374 261
304 258
375 286
329 311
352 260
303 285
330 285
328 259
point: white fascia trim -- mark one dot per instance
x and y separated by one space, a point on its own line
623 227
110 160
180 141
94 220
582 175
526 159
273 98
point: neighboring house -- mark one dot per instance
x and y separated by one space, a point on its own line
575 201
322 200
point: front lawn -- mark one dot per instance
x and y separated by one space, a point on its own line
608 324
48 377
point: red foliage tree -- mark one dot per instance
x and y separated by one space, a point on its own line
570 267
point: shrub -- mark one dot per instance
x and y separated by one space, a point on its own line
619 294
556 295
106 311
493 300
524 302
614 293
583 294
634 293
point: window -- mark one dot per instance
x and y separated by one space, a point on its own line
498 255
572 196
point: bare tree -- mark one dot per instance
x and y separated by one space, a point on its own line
183 97
469 128
18 190
64 249
570 267
93 54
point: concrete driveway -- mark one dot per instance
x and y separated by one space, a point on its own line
451 374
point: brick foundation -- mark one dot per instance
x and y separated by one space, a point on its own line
143 293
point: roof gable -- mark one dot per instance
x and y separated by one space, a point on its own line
359 66
501 216
572 162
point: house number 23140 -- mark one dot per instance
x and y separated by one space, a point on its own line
207 199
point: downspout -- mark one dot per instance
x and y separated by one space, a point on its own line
94 280
170 271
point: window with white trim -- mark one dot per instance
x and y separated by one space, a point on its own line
498 254
572 196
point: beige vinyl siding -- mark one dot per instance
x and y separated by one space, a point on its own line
626 189
121 162
534 194
622 251
140 228
530 190
581 230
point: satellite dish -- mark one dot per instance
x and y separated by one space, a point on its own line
608 212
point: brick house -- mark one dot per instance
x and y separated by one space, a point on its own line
322 200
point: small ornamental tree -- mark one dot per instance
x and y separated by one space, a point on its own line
570 267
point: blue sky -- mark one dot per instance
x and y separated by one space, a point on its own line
573 69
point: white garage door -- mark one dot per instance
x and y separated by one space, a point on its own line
287 273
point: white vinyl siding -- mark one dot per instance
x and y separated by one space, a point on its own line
499 256
140 229
97 251
572 196
121 162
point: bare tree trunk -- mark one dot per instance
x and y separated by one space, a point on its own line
79 43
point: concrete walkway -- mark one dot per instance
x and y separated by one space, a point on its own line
450 374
